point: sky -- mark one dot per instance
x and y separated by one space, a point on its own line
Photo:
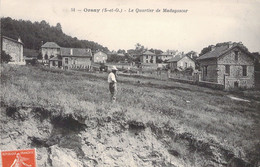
205 23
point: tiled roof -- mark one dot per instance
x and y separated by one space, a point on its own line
219 51
176 58
11 39
55 59
214 53
148 53
83 52
50 45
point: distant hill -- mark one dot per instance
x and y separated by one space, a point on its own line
33 34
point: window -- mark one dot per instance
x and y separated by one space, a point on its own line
227 69
66 60
244 70
146 56
205 70
53 63
236 55
186 65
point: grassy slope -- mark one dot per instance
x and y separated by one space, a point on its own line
207 114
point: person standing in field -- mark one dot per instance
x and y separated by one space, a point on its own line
112 83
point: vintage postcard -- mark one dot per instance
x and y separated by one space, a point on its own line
130 83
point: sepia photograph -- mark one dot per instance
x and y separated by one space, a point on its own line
120 83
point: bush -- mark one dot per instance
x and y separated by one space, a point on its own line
5 58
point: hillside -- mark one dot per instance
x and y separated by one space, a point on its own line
67 116
32 34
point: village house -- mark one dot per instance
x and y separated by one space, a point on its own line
75 58
14 48
230 65
99 57
50 50
169 54
181 62
55 62
148 57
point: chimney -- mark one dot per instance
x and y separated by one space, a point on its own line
213 47
71 51
230 44
19 39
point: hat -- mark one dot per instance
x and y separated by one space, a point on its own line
114 68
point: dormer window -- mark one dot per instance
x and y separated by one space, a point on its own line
236 55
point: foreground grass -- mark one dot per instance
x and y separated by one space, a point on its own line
207 114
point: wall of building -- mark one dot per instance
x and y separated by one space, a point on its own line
173 66
100 57
76 63
211 75
14 49
55 64
182 63
148 58
236 69
50 52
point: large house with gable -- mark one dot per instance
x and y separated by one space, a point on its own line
231 65
100 57
148 57
181 62
49 50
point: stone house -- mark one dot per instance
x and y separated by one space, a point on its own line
230 65
49 50
181 62
148 57
14 48
99 57
76 58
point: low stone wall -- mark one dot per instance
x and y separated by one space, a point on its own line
211 85
200 83
184 81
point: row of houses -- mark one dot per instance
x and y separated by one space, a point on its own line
230 65
70 58
52 54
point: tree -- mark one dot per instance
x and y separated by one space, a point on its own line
39 56
46 57
158 60
121 51
205 50
5 58
33 33
156 51
139 48
58 27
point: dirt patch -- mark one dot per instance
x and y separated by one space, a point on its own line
63 140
